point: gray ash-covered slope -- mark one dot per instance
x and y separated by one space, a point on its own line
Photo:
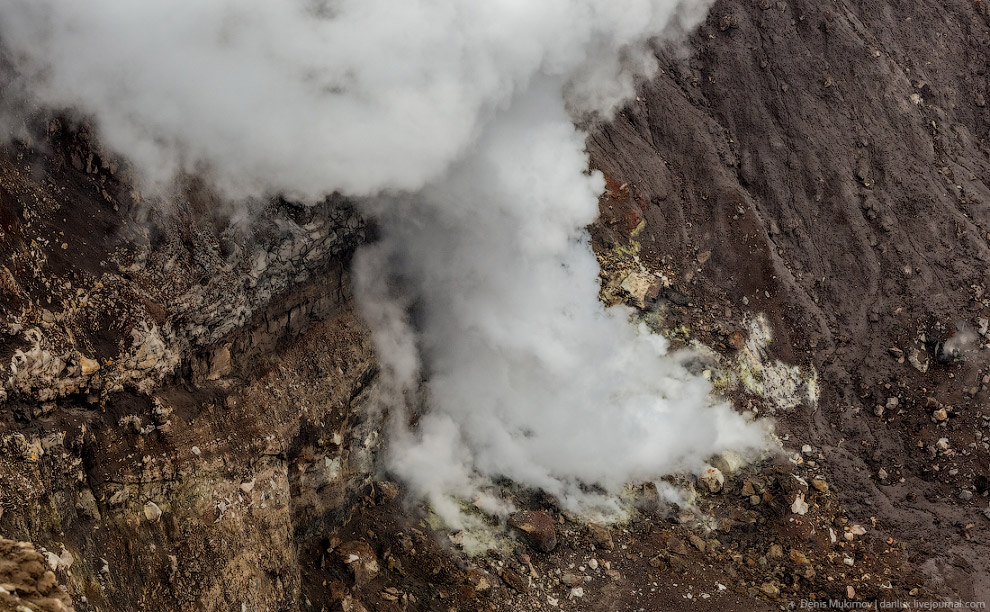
829 165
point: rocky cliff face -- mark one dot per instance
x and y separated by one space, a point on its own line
162 363
185 422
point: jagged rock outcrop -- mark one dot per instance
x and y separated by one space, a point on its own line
129 291
26 582
165 420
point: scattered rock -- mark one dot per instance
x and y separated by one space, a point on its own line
87 506
349 604
677 546
65 559
572 580
799 506
538 529
515 580
388 490
799 557
712 479
391 594
479 579
152 512
119 497
601 536
697 542
737 341
361 559
88 366
642 288
819 485
726 22
770 589
748 489
915 360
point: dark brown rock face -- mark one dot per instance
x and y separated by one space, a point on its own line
827 165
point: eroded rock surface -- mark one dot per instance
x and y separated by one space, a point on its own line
26 582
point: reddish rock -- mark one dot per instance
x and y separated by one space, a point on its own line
737 340
601 536
361 559
537 528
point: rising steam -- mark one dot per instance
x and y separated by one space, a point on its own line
454 122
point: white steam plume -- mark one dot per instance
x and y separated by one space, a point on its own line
307 97
529 376
455 120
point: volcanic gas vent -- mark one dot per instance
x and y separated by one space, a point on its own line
453 125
